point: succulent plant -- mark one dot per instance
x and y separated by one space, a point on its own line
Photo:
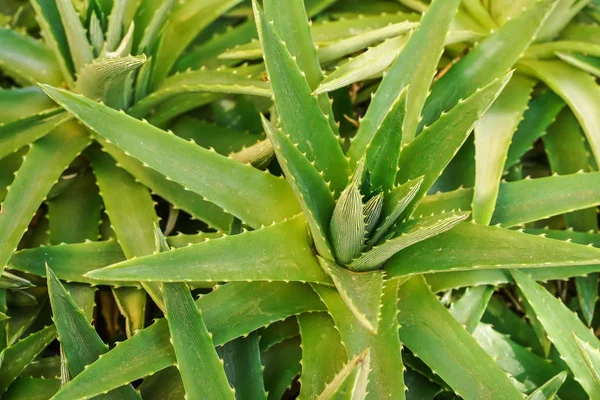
353 184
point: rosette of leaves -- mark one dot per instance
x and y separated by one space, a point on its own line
329 272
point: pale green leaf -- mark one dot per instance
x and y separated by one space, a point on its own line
493 135
415 66
80 48
197 361
17 103
265 198
79 341
433 149
583 62
308 184
549 389
564 329
95 78
310 130
323 354
433 335
469 309
361 291
577 88
354 375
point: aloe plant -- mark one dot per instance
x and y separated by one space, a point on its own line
372 200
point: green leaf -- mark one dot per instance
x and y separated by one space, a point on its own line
310 130
577 88
152 30
265 198
489 60
415 66
354 376
394 204
174 193
75 214
410 232
132 305
591 355
53 32
277 332
489 248
27 60
197 361
537 118
32 389
549 389
433 149
564 329
433 335
17 356
45 161
528 369
347 228
538 329
308 184
493 135
528 200
386 368
130 209
94 79
361 291
115 25
469 309
583 62
282 364
79 341
183 25
21 132
322 353
163 384
229 312
242 362
81 50
203 80
17 103
382 153
278 252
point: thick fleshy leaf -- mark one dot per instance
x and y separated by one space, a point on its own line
310 130
21 132
361 291
198 363
27 60
489 60
308 184
280 252
17 356
78 338
577 88
549 389
382 153
537 118
415 66
493 135
32 388
564 329
529 200
152 29
17 103
394 204
74 215
469 309
433 335
354 376
583 62
347 227
322 353
242 362
95 78
130 209
409 233
43 165
229 312
183 25
203 80
433 149
265 198
489 248
282 365
386 379
81 50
